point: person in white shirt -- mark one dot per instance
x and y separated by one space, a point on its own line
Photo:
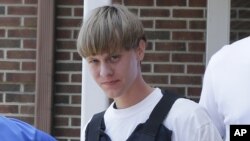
113 42
226 86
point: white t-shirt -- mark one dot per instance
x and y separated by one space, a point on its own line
187 120
226 86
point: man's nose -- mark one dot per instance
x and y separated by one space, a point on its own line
106 70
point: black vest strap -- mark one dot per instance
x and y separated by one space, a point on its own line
95 127
159 113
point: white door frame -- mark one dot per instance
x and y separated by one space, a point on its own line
218 26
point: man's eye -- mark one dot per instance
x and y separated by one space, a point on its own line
114 58
92 61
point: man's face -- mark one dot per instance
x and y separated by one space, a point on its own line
115 73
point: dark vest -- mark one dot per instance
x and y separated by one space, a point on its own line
151 130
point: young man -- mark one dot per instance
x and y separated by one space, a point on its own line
15 130
226 87
113 42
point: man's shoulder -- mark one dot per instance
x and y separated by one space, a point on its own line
185 110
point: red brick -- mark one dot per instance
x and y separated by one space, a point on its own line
10 43
29 43
62 77
67 132
63 11
76 122
146 67
61 99
156 57
195 69
19 10
76 78
68 66
29 88
197 25
233 13
68 88
147 23
139 2
62 55
187 80
1 54
171 2
240 25
68 22
1 97
76 99
29 66
149 46
197 3
2 10
170 46
30 22
196 47
20 77
244 14
188 35
71 2
9 65
188 13
2 32
10 21
171 24
23 33
67 110
26 109
155 13
78 12
194 91
21 54
30 1
156 79
63 34
61 121
160 35
66 44
10 1
168 68
242 3
176 89
9 87
187 57
9 109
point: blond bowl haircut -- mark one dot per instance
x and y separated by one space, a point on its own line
109 29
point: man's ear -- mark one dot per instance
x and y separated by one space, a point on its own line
141 49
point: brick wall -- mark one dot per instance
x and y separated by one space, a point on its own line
174 58
68 67
18 58
240 19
